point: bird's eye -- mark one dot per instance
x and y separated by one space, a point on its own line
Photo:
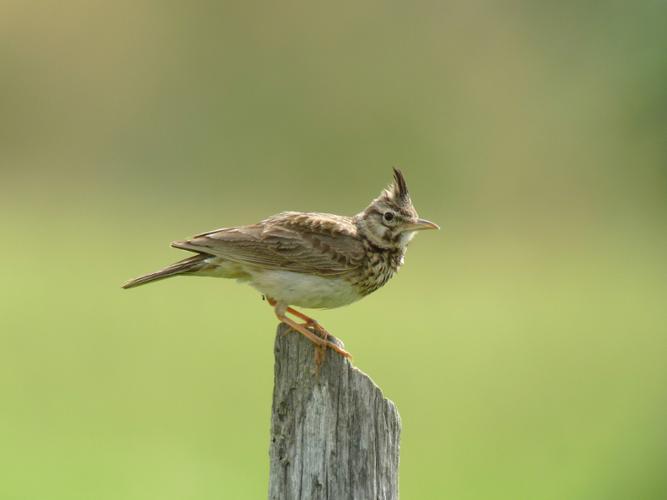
388 216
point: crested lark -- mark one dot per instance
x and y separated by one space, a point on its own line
308 259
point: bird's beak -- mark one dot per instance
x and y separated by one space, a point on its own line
422 224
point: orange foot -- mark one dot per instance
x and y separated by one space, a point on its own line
319 339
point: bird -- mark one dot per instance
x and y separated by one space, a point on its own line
309 260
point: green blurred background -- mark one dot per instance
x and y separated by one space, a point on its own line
524 344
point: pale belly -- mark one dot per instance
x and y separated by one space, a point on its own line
303 290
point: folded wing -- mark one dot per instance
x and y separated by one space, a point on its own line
321 244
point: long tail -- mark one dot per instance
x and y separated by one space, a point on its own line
189 265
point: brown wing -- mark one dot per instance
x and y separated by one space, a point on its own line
313 243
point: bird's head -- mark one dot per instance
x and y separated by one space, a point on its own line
390 221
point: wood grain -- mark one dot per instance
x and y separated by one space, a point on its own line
333 434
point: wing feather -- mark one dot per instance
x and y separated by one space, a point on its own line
321 244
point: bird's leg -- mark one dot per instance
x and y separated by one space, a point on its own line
309 321
301 328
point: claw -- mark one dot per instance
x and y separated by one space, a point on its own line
319 337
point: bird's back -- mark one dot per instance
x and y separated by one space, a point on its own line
306 242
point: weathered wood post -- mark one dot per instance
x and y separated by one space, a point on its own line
333 434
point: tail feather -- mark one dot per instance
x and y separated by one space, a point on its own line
189 265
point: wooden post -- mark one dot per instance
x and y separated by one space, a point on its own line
333 434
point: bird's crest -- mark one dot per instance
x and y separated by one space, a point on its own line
398 190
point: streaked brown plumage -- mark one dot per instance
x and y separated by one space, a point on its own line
313 260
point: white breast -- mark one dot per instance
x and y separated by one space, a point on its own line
304 290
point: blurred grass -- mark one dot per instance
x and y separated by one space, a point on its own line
524 343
